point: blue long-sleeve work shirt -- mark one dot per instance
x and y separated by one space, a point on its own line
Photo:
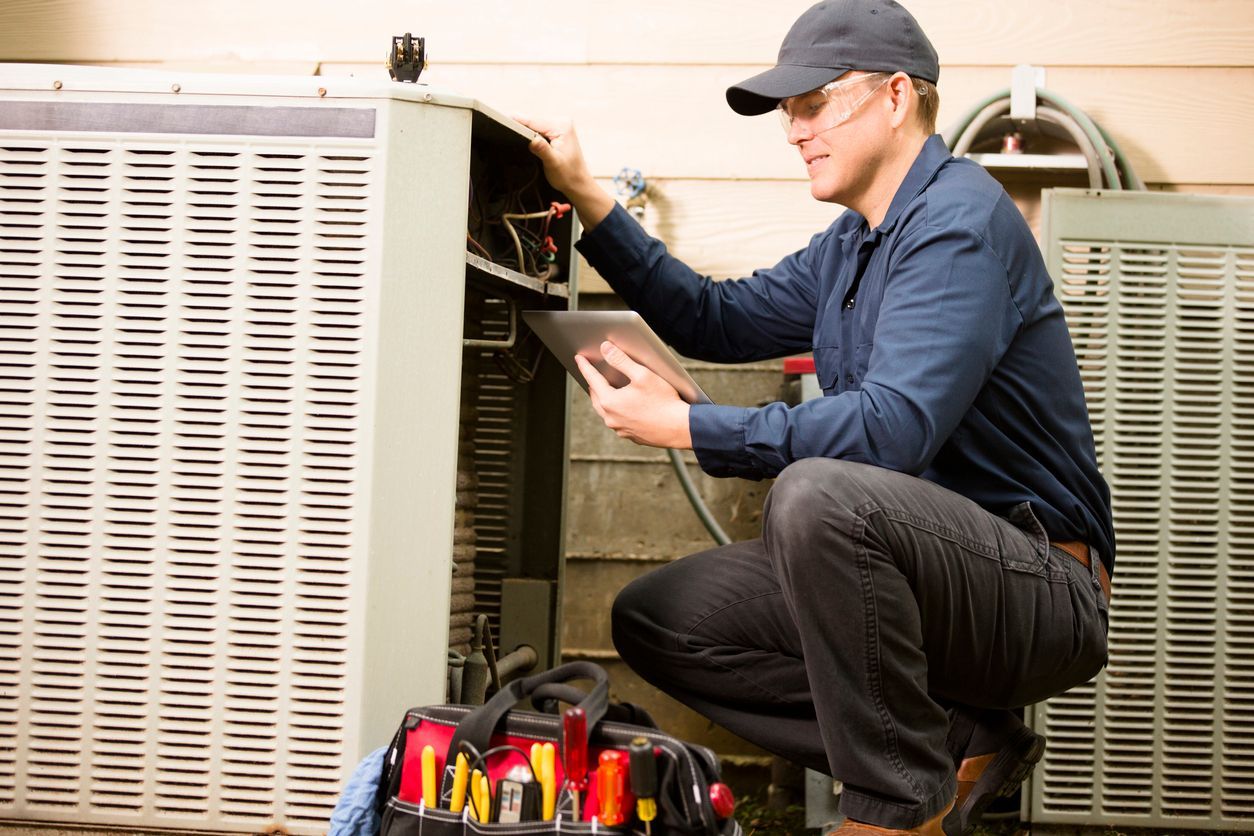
938 342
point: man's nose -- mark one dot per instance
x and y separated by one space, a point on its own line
799 131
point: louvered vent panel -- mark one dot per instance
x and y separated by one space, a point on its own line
1085 286
1135 468
1189 729
497 464
1235 746
24 174
1164 335
181 339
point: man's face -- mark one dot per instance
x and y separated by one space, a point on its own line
840 160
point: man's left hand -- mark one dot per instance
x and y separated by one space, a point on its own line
647 410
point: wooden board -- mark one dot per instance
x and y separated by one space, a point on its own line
1176 125
730 228
725 228
1060 32
673 121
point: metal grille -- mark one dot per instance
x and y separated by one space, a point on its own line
1235 752
1164 334
497 454
180 364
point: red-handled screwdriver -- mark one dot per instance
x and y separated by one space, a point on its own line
575 754
722 800
644 781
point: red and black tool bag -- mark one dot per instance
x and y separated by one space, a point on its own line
685 770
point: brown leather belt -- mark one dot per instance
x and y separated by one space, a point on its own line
1080 551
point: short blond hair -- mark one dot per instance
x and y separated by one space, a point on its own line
929 104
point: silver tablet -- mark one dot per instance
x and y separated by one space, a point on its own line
567 333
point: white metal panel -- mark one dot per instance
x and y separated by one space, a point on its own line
181 348
1162 335
230 345
1234 751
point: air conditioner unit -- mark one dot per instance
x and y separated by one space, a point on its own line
236 534
1158 291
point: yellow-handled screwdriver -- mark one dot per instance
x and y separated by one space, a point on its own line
428 777
536 765
476 793
458 800
548 780
485 795
644 781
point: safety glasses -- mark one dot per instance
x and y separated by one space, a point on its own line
831 105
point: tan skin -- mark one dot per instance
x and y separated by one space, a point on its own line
858 164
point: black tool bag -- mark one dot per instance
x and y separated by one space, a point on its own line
685 771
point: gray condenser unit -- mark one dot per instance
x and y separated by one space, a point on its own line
269 432
1158 291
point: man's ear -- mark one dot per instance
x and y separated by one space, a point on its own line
901 96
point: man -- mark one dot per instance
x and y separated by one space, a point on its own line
937 546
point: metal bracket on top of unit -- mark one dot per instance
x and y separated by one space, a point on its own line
408 57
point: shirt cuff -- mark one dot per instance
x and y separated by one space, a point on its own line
718 440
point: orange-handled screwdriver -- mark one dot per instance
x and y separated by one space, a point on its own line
611 785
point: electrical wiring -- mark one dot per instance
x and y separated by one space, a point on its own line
542 243
512 364
510 216
482 249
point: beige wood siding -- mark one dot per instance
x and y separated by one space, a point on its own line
1172 82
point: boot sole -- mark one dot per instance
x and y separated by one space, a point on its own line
1003 776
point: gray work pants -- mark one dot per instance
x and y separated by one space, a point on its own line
872 601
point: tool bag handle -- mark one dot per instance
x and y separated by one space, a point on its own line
545 698
476 727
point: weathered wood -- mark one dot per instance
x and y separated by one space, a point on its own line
676 719
728 385
614 508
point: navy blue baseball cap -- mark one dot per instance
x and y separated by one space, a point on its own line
832 38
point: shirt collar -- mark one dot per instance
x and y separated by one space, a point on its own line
932 156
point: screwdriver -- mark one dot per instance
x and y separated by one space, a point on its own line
458 801
548 780
485 795
428 776
644 781
476 794
535 761
611 783
722 800
575 754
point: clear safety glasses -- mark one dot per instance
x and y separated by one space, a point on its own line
832 104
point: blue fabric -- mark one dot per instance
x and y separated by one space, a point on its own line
939 345
354 813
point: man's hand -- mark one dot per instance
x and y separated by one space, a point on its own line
558 148
647 410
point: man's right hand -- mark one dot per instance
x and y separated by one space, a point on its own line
557 146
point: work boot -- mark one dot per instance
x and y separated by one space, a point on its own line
993 752
931 827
